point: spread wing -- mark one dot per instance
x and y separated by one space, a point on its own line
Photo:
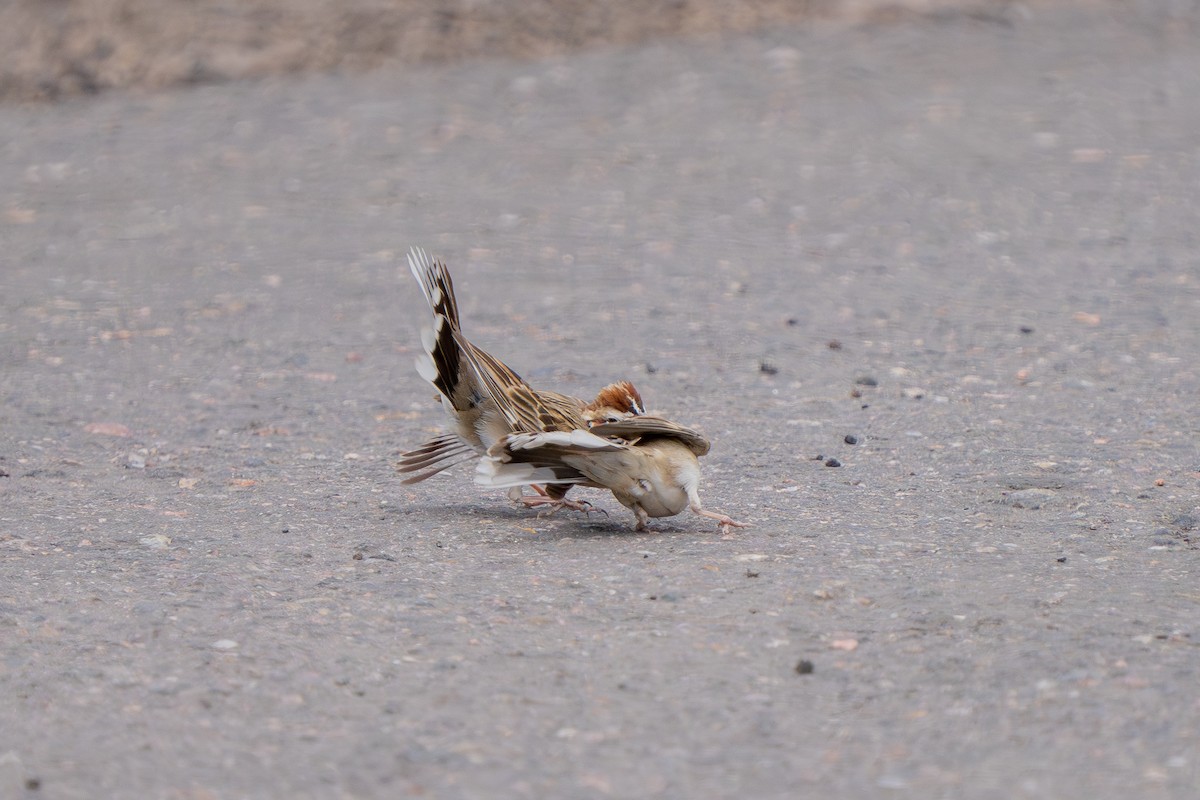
524 409
469 376
543 457
636 429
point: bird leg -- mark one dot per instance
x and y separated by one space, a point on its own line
723 522
554 498
550 504
642 519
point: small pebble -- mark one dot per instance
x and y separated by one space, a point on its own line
1026 329
833 462
767 368
866 380
1032 499
804 667
850 439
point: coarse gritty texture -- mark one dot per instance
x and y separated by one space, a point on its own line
61 48
214 585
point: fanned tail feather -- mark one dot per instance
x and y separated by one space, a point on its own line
434 456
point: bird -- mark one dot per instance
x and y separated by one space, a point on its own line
650 464
487 400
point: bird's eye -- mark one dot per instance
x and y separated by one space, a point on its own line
612 418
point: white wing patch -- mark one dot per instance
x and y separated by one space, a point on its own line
576 440
429 338
418 264
426 368
498 475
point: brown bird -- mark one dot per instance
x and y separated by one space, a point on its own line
486 399
650 464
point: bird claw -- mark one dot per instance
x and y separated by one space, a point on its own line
588 508
552 505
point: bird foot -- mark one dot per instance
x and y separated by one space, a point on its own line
724 523
549 505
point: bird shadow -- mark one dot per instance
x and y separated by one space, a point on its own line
561 524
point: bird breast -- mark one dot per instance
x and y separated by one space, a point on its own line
657 476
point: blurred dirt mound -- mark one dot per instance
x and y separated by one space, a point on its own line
58 48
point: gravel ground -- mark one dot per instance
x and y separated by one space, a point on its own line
52 50
967 243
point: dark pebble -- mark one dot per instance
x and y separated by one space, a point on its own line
850 439
1061 559
651 369
1026 329
1185 522
866 380
750 574
45 473
834 344
767 368
833 462
804 667
792 322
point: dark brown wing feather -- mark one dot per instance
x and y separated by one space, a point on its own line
443 348
525 409
641 428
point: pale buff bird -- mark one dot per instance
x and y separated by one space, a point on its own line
486 399
650 464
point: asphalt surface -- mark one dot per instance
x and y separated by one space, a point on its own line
969 243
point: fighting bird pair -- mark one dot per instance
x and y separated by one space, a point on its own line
548 441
